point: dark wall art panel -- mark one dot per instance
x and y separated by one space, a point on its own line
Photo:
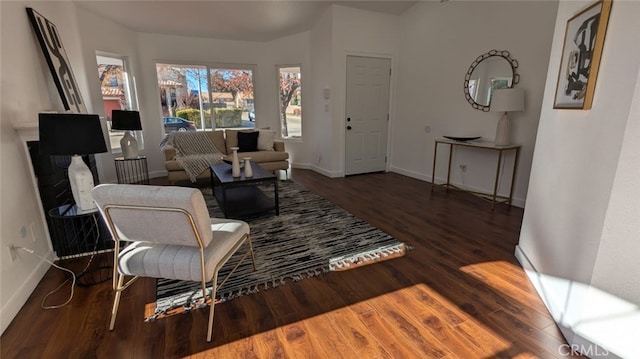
56 57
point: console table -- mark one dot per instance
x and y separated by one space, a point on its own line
489 146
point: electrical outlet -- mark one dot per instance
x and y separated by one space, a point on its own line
13 252
23 232
32 229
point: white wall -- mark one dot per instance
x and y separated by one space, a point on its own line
619 243
581 223
316 125
340 32
438 44
100 34
27 88
361 33
290 50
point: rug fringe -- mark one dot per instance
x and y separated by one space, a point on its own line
276 282
335 264
343 263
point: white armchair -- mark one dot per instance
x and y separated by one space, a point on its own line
166 232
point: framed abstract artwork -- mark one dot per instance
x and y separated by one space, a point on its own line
581 53
56 57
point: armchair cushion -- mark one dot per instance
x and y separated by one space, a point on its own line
179 262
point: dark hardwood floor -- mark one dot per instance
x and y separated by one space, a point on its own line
458 294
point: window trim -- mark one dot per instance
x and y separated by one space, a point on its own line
213 65
131 94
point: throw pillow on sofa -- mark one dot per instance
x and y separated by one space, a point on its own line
248 141
265 140
231 138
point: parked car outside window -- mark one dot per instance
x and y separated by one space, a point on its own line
177 124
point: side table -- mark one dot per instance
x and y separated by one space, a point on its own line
132 171
78 234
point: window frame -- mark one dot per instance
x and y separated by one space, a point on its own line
213 66
131 100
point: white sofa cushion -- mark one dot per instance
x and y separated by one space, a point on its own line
265 140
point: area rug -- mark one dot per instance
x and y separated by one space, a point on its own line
311 236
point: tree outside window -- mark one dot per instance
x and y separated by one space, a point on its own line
290 86
207 95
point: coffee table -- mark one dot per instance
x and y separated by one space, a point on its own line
241 196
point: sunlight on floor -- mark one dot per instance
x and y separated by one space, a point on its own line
432 317
425 315
610 323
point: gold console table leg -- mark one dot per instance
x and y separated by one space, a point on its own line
491 197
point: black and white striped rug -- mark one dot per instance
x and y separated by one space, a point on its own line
311 236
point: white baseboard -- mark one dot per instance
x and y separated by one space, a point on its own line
22 293
518 202
322 171
412 174
154 174
515 201
302 166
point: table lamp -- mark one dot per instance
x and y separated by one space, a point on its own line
506 100
128 121
73 134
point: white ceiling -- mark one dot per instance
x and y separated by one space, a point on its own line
261 20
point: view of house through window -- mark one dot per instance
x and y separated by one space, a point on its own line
197 97
290 85
117 93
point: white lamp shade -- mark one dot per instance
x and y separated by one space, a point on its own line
507 100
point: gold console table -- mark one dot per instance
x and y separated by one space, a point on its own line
492 197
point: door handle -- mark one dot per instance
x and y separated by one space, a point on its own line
348 127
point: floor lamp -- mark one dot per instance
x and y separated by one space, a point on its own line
75 135
128 121
506 100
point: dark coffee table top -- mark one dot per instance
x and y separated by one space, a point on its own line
222 172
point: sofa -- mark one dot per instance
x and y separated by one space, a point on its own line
271 159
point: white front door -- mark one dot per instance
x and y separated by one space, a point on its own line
367 114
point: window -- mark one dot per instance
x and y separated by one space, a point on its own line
208 96
118 93
290 104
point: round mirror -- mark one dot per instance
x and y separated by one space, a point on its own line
490 71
